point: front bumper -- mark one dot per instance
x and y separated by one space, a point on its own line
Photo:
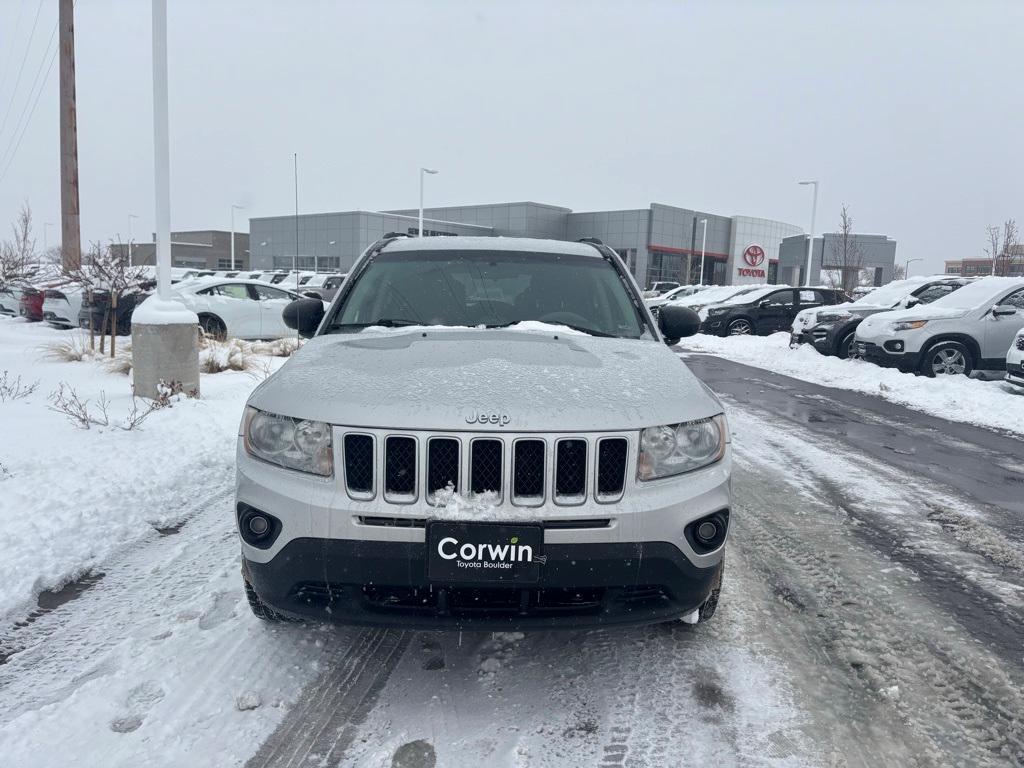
873 353
1015 373
363 562
796 338
379 583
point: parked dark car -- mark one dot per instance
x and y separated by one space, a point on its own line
765 310
30 306
833 329
96 308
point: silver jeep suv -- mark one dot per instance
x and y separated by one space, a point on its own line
484 433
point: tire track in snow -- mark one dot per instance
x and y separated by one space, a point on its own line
321 727
898 640
159 570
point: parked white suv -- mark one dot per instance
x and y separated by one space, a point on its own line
968 329
1015 360
484 433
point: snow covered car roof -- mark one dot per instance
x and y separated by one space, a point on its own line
530 244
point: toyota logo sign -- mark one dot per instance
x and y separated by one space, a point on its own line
754 255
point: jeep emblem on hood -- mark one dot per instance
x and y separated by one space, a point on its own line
501 419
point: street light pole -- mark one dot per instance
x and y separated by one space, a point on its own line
422 172
703 243
810 238
906 269
130 217
233 207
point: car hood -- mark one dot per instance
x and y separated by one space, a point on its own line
436 379
920 312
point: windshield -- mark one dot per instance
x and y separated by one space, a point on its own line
490 288
891 293
747 296
978 293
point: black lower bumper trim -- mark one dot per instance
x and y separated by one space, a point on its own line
379 583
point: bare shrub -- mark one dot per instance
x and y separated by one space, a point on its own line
84 414
13 389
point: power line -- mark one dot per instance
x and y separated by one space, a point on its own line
28 98
42 87
24 58
10 48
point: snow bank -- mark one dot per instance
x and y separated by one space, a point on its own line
991 404
71 497
157 311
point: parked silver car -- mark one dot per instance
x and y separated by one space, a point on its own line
485 433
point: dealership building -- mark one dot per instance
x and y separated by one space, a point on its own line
874 256
660 242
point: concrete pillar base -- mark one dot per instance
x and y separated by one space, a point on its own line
167 354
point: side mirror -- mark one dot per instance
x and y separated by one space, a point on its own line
1003 310
677 322
911 301
311 294
304 316
763 303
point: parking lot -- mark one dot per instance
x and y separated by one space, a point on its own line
872 612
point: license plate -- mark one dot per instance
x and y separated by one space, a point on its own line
484 552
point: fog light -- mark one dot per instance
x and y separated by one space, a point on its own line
258 528
707 531
258 525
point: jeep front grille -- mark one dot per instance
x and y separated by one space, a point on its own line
485 466
571 471
528 473
1020 343
611 468
359 465
400 469
525 470
442 464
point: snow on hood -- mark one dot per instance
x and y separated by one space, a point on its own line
434 380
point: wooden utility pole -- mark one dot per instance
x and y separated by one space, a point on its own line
71 244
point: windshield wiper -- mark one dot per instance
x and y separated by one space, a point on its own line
384 322
580 328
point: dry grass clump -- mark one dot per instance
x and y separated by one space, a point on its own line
121 362
231 355
73 348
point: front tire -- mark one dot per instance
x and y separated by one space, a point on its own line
260 609
741 327
213 327
947 358
847 350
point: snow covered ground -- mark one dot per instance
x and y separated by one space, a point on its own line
69 497
870 616
992 404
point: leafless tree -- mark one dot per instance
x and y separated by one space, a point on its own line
106 272
847 258
1003 247
18 254
899 272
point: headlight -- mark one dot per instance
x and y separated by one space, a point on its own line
833 317
718 310
909 325
292 443
677 448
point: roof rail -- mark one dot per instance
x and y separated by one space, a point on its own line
591 240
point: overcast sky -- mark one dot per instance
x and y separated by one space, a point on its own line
912 114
